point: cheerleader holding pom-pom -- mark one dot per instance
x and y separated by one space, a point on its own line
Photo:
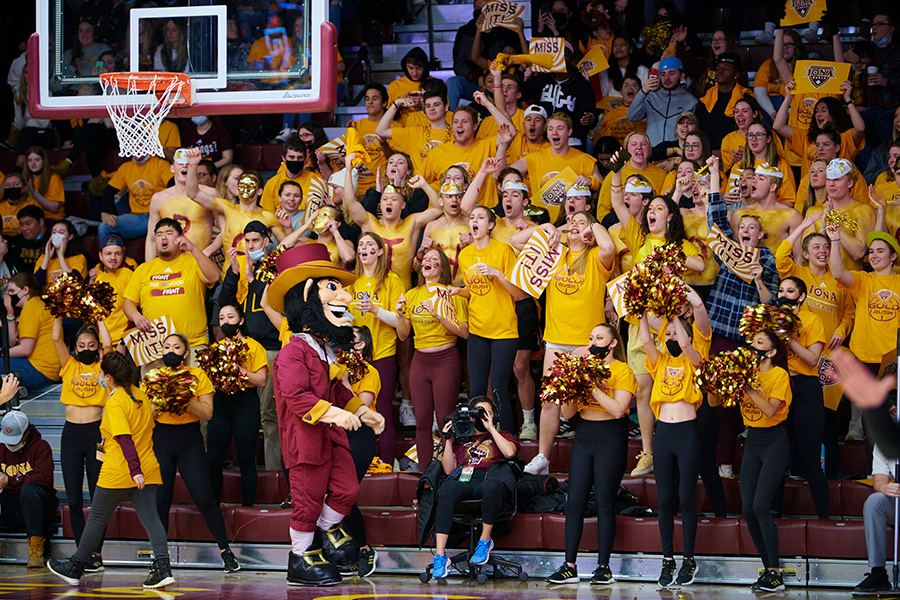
676 446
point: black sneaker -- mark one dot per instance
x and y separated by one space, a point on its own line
95 565
160 573
875 582
667 575
566 430
69 570
286 503
602 576
230 562
686 572
368 559
771 582
564 574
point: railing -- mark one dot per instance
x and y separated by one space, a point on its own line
435 63
363 62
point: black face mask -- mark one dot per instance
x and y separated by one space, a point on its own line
762 354
560 18
785 301
294 166
172 360
674 348
87 357
13 193
600 351
230 329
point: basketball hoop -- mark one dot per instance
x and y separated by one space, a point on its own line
138 102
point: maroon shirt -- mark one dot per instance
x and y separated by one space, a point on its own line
482 451
210 143
31 464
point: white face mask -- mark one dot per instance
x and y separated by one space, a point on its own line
17 447
57 239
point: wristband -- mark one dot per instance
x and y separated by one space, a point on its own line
497 87
833 240
10 319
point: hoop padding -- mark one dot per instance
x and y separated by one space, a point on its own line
138 103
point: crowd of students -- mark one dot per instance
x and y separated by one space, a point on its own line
429 197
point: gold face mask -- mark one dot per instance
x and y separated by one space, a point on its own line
248 185
325 214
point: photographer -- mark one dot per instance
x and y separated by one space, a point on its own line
467 463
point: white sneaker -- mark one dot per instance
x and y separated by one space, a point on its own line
855 432
765 38
726 471
407 414
811 35
529 431
539 465
284 135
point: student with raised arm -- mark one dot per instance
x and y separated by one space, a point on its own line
676 446
417 141
660 224
831 302
399 234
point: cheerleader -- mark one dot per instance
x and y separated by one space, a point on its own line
676 446
806 420
766 453
574 290
129 469
599 455
84 399
376 293
436 365
178 444
660 223
362 449
237 415
493 325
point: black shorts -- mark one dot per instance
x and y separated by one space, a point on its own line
529 330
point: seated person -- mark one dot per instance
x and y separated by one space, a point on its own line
878 513
14 197
27 498
32 353
466 466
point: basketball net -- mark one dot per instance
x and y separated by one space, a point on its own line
137 104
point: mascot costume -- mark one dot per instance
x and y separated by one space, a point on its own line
315 406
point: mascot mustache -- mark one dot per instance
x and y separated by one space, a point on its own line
308 316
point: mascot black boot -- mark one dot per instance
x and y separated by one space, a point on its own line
311 569
339 548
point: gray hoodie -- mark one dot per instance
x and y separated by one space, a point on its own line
661 109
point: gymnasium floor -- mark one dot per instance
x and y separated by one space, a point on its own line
17 582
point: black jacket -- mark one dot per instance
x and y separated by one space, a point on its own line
574 96
255 319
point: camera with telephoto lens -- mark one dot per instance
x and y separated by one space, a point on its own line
464 419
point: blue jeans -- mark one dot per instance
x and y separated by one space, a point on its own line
29 377
129 226
459 88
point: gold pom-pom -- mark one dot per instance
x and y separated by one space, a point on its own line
170 390
68 296
728 374
781 321
355 364
266 271
654 289
842 219
656 38
572 379
222 363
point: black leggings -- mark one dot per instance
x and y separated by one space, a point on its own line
362 449
708 422
494 358
805 426
766 453
830 439
234 415
180 448
676 463
598 460
490 491
78 454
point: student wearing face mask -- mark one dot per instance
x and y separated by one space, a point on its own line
13 198
211 137
599 455
766 452
27 498
129 469
806 420
32 355
178 445
63 253
236 415
676 446
84 399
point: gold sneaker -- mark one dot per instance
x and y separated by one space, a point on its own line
644 465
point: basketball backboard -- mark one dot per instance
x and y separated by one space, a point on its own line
248 61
